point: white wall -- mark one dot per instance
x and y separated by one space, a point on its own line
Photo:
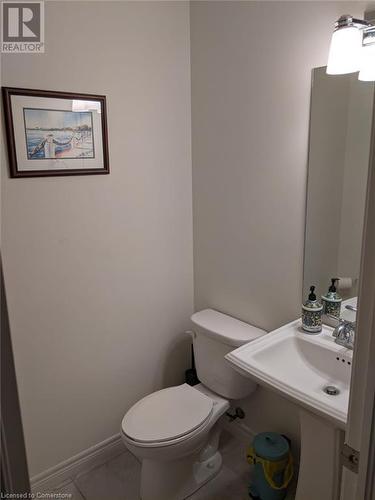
98 269
251 81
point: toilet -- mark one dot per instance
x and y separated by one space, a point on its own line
174 432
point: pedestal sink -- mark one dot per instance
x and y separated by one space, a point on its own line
313 371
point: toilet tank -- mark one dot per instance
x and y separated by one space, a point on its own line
214 335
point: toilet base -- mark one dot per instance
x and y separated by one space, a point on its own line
206 470
178 479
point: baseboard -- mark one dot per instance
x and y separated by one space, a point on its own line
63 472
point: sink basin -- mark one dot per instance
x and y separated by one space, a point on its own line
300 367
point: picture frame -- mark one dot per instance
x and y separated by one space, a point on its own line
51 133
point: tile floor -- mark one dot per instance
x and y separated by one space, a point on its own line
119 478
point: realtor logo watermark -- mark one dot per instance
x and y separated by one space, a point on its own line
22 28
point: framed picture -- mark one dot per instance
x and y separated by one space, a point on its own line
55 133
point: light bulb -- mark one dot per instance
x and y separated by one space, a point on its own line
367 63
344 53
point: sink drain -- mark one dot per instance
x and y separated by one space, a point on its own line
331 390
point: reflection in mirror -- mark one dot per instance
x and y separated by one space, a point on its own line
340 131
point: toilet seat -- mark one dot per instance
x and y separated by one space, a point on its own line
167 415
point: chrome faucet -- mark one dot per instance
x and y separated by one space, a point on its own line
345 330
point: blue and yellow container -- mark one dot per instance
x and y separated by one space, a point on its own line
273 466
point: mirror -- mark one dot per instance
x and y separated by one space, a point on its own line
340 133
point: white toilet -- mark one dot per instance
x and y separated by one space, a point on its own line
173 431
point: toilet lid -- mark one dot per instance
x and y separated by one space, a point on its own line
167 414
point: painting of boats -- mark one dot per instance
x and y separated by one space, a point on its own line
58 134
54 133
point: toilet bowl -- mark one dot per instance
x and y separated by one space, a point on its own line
175 432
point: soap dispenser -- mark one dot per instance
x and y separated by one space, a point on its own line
312 314
332 300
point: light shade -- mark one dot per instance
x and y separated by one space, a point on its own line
345 50
367 63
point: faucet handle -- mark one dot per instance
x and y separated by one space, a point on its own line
351 308
344 333
338 322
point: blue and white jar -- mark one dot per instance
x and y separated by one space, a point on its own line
312 311
332 301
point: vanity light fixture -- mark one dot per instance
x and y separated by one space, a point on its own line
367 62
352 48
